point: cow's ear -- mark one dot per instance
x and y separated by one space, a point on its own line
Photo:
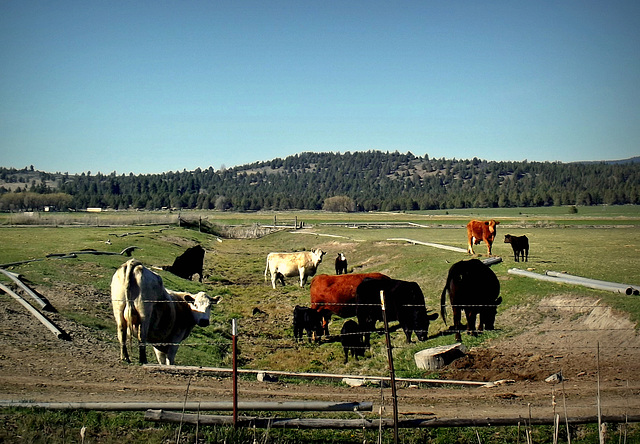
499 300
189 298
497 222
486 222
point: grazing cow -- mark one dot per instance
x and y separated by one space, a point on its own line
341 264
474 288
188 263
481 230
302 263
337 294
351 339
160 317
306 319
520 245
404 302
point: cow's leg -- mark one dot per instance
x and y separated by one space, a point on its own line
142 341
457 315
408 334
471 321
161 357
470 245
273 280
526 258
303 277
326 318
122 330
171 355
516 255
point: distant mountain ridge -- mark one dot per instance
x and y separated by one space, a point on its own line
635 159
367 181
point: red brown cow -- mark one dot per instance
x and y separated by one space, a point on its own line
337 295
479 231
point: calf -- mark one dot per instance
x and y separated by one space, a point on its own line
341 264
351 339
306 319
520 245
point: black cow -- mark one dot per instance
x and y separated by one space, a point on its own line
351 339
188 263
341 264
306 319
474 288
404 302
520 245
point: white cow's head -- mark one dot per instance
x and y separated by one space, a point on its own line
317 255
200 304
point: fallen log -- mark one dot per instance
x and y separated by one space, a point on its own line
299 406
46 322
331 423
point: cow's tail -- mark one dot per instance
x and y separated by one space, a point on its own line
266 268
132 291
443 300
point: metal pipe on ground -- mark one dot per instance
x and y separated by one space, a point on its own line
263 406
46 322
544 277
625 288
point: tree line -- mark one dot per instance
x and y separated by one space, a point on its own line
358 181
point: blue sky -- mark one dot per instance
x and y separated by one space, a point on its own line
157 86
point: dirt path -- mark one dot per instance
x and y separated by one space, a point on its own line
564 334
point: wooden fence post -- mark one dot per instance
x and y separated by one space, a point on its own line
392 373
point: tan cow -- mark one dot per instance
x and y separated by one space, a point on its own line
163 318
481 230
301 263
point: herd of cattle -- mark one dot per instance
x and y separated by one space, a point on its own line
145 309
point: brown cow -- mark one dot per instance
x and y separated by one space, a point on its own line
337 294
481 230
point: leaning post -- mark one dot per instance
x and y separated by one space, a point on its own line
234 336
392 373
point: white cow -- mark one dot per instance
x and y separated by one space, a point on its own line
163 318
302 263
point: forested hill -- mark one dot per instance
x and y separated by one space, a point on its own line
361 181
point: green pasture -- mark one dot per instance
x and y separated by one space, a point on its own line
235 270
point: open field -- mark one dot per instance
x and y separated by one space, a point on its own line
542 327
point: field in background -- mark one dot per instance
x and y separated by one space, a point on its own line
586 245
